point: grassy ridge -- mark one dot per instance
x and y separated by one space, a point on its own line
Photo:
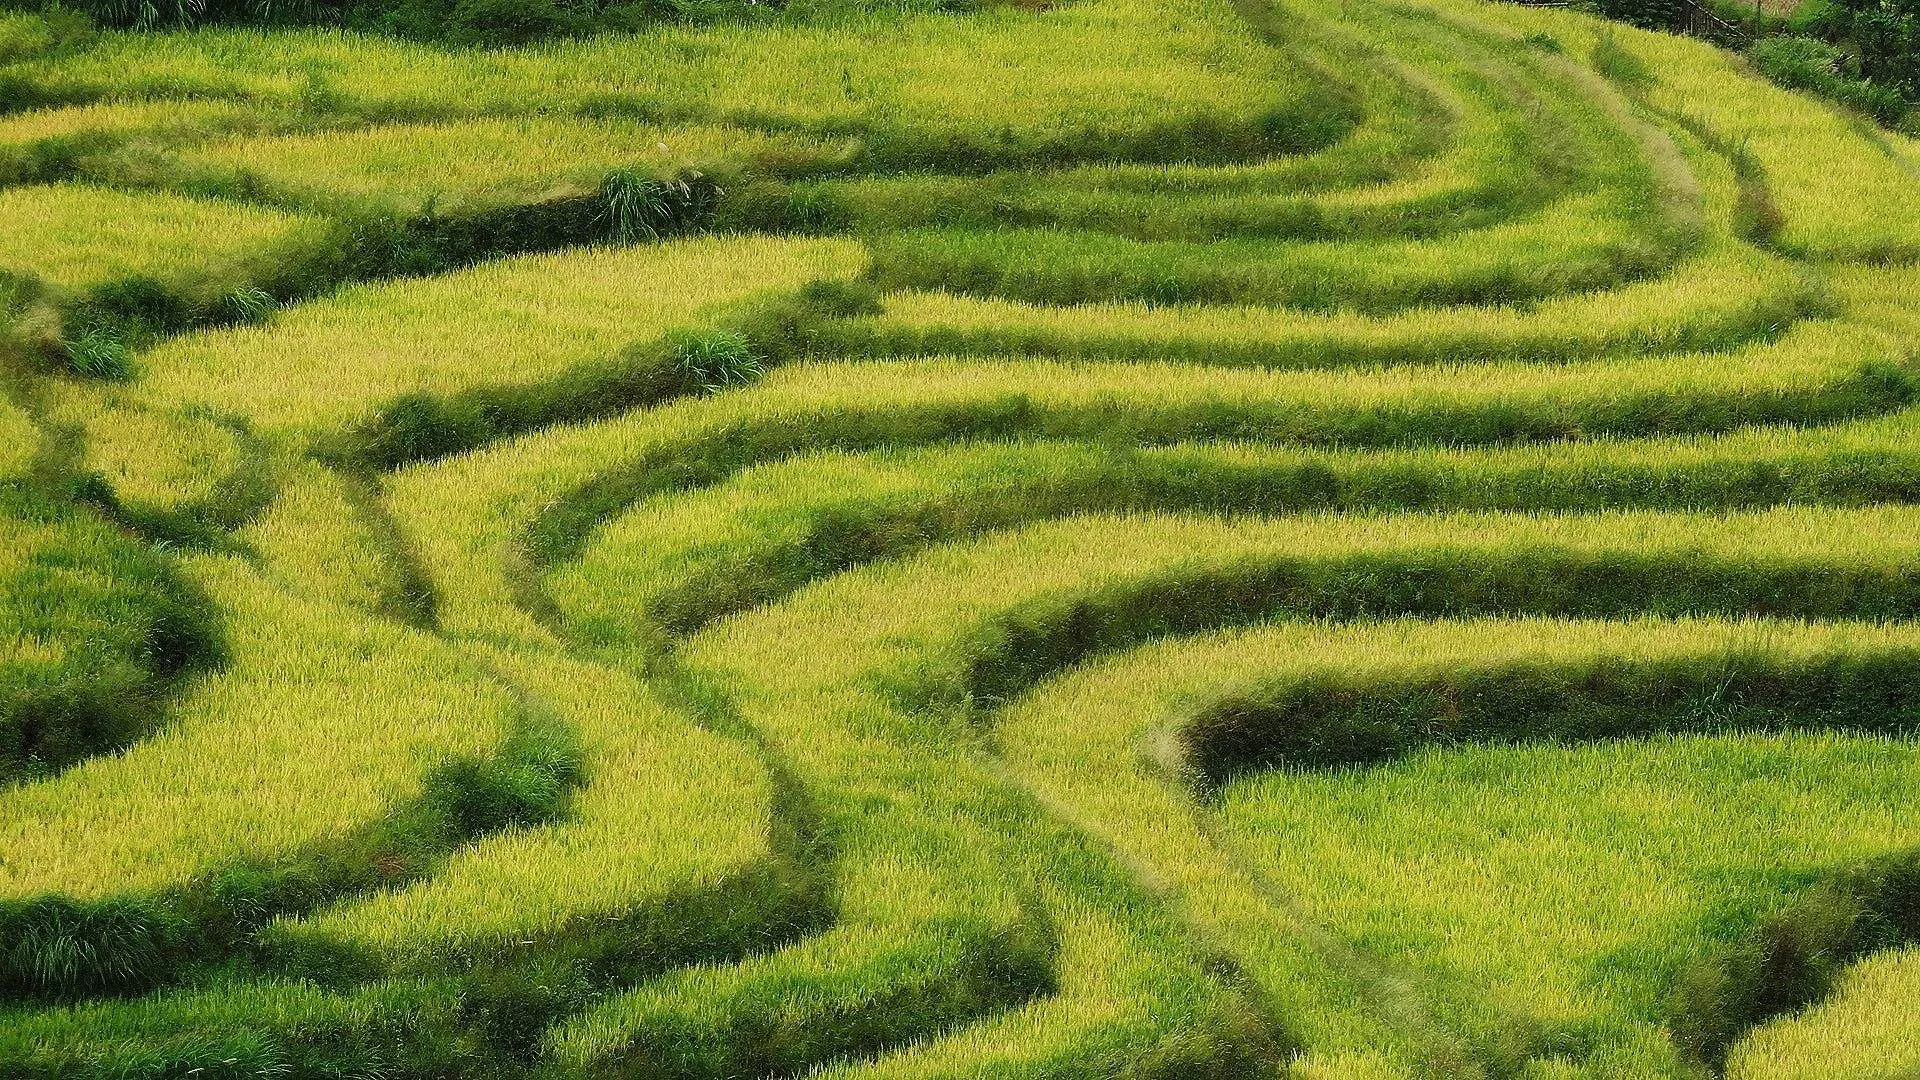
1036 554
96 631
640 879
1721 299
1863 1019
585 332
1845 209
891 81
179 854
1131 555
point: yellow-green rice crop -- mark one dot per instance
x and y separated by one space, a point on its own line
1093 739
19 440
324 721
22 35
482 164
1866 1030
1498 149
158 459
1153 538
923 80
1841 196
319 539
1719 297
955 588
322 366
1571 246
43 144
642 843
108 119
83 237
95 629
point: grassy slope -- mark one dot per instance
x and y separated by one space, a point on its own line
1051 627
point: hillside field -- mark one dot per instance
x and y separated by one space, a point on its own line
1060 540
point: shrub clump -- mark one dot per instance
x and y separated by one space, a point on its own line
1804 63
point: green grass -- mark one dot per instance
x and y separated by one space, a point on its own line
643 863
1477 814
599 317
1711 304
115 267
406 170
772 528
89 238
356 745
52 144
1434 152
96 630
231 1028
169 471
1841 197
19 441
1565 249
1167 539
1865 1030
321 539
1029 563
890 80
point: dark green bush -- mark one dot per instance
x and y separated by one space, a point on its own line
714 360
1883 37
100 352
1802 63
1648 14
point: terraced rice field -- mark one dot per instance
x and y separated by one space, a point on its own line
1129 538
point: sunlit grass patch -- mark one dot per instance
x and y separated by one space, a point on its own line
1721 298
323 366
1565 248
1466 862
926 87
83 237
19 440
160 463
231 1026
1840 195
315 540
107 118
335 753
483 164
1867 1029
1094 739
244 770
117 267
655 860
55 143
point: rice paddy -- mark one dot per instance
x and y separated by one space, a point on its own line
1158 539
